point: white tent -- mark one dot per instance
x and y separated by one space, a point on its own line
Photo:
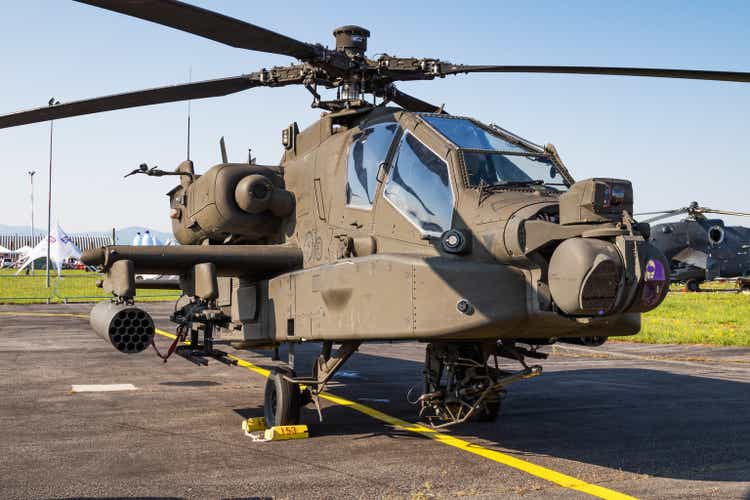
4 250
148 239
61 248
23 250
145 240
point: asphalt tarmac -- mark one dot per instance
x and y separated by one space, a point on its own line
639 420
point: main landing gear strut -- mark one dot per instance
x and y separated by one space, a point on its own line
460 384
286 394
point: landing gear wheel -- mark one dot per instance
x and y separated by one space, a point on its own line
593 341
281 405
692 286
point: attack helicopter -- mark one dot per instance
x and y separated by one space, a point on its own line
389 220
699 248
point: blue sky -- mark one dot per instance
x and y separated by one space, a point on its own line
677 141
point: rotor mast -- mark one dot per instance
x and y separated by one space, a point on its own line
352 41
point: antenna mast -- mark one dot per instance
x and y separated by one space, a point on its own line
190 80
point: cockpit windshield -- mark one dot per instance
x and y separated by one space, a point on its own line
497 169
468 135
493 158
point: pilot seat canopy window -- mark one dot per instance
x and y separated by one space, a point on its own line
369 148
496 169
494 160
419 186
468 135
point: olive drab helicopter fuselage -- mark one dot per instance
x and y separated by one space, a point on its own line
379 223
410 226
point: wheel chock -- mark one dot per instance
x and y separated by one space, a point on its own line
256 429
253 424
284 432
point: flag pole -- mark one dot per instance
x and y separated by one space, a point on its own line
31 177
51 102
190 79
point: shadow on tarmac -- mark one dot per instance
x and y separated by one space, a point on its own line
637 420
190 383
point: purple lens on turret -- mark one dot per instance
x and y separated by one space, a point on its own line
655 271
655 280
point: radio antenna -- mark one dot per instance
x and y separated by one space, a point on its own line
190 80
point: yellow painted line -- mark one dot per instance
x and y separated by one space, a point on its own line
545 473
496 456
21 313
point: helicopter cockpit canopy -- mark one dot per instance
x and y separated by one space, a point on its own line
418 180
419 186
493 158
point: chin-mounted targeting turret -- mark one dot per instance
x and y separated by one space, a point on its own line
597 260
608 269
230 203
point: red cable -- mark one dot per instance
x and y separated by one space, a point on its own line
181 335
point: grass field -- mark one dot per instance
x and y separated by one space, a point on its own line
74 286
718 318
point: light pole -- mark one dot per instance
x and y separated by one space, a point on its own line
52 102
31 178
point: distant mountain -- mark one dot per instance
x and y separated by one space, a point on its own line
124 236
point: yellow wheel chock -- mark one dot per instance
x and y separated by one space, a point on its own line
256 429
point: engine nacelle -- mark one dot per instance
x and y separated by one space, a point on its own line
129 328
231 202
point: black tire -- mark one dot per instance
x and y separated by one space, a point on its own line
594 341
282 398
692 286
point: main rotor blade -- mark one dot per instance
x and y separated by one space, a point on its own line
664 215
411 103
211 25
706 210
184 92
654 213
726 76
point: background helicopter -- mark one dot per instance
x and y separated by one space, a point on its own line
701 249
380 223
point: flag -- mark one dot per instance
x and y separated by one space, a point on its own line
61 248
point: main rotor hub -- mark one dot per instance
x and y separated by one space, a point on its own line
351 39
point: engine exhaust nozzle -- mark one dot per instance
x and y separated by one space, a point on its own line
129 328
